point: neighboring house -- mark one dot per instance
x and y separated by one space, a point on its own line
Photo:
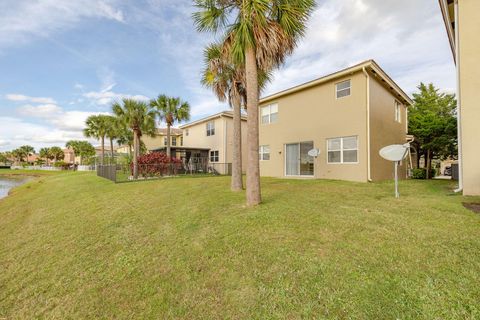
160 139
348 115
211 138
69 155
463 29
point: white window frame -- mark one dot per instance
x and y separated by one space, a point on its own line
165 141
186 132
269 107
210 128
174 141
349 88
215 155
398 111
342 150
262 152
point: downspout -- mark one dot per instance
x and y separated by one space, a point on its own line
225 142
459 118
369 175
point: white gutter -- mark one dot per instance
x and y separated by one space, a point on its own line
369 174
459 117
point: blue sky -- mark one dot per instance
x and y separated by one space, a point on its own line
63 60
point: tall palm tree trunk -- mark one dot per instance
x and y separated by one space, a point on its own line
111 149
237 183
253 162
169 152
103 150
135 154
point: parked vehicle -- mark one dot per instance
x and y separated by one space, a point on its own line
447 171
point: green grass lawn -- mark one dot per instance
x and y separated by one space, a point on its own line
76 246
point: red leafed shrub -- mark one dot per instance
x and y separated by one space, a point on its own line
156 164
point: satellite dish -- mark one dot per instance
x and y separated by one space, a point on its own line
314 153
395 152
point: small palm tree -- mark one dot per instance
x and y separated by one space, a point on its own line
26 151
140 118
44 153
259 35
112 132
171 110
97 126
125 137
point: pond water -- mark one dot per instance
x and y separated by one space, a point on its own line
7 183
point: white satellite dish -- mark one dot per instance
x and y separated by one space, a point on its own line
395 153
314 153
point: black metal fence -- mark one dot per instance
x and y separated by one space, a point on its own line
125 172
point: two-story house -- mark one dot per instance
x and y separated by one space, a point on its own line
348 116
463 30
211 138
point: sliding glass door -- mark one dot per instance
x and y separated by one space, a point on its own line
297 160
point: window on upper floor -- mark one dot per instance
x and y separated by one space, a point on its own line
164 141
343 89
186 132
210 128
269 113
398 112
174 141
181 140
264 152
342 150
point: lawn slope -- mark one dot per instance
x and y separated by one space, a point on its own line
77 246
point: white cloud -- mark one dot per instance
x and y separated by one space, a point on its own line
24 98
20 132
40 111
21 21
103 97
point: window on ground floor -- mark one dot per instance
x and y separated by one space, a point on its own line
342 150
214 156
264 152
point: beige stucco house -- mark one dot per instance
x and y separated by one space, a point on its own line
348 116
211 138
463 28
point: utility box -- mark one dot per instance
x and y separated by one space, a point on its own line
454 171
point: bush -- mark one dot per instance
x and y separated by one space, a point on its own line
61 164
156 164
421 173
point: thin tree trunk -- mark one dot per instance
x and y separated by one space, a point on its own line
237 183
253 162
169 151
111 149
135 154
103 150
428 164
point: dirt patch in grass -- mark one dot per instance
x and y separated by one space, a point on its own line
475 207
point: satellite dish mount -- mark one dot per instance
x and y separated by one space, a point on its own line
395 153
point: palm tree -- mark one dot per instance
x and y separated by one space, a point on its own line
140 118
112 132
44 153
97 127
56 153
259 34
125 137
227 81
170 109
25 151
